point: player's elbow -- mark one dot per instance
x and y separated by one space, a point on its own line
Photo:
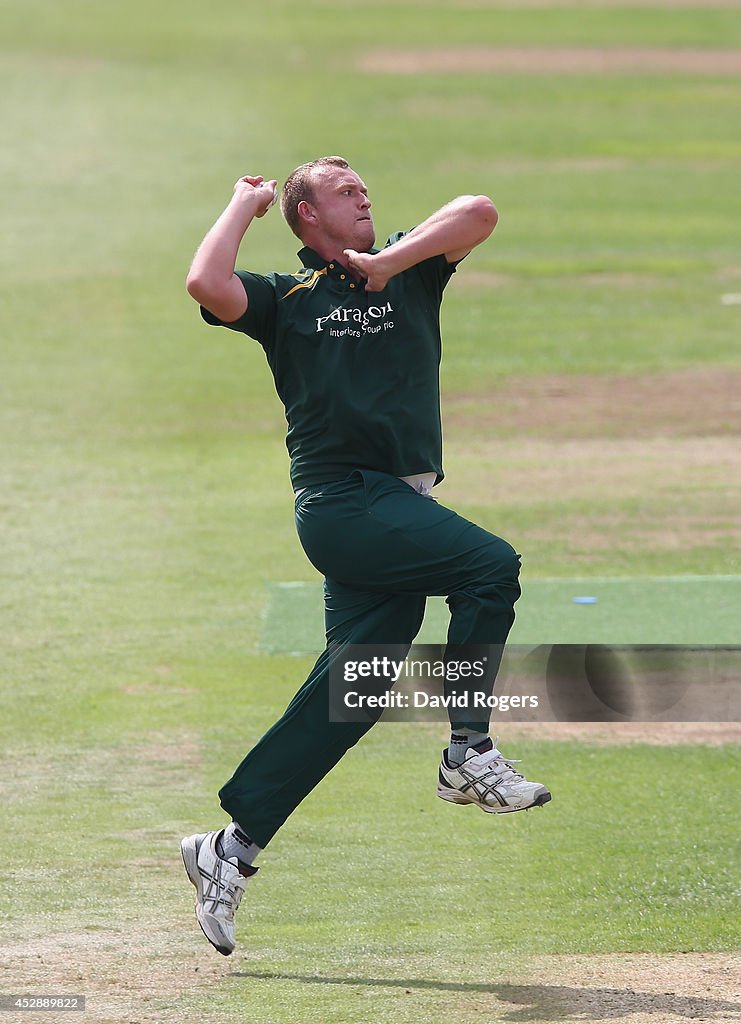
192 284
199 287
484 212
479 216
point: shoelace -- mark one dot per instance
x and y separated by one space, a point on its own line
236 895
500 766
231 898
229 894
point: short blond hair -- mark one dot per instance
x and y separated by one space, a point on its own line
299 187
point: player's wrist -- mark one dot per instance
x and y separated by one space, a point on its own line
243 209
247 199
384 263
392 262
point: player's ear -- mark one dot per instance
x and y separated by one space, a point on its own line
306 212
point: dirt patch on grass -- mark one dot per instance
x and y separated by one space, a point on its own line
639 989
601 471
649 463
134 974
630 988
125 977
541 60
596 498
683 403
607 734
660 734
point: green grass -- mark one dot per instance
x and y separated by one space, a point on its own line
146 511
680 610
361 898
397 868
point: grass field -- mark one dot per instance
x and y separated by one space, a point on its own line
591 412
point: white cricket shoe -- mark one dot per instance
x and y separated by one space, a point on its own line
489 781
219 887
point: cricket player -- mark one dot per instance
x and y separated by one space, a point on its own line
353 341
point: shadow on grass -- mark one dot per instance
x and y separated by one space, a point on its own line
540 1003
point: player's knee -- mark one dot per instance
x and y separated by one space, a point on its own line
504 564
500 582
513 562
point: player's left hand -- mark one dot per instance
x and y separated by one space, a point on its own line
367 265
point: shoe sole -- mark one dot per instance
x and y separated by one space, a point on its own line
454 796
189 852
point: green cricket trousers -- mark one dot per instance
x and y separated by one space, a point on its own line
382 548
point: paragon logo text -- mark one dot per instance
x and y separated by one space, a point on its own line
371 319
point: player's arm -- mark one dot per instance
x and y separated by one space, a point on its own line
453 231
211 279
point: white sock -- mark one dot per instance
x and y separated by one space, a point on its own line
460 741
235 843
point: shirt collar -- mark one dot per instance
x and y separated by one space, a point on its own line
310 258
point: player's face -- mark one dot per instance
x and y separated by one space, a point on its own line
343 208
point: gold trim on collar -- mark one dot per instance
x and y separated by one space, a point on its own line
307 284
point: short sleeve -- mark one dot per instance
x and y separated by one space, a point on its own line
434 272
258 320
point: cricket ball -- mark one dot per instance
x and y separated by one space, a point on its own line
275 193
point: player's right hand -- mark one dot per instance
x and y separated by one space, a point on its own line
265 191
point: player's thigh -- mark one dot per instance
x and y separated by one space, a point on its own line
432 546
375 533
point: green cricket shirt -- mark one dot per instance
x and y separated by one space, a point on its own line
357 371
